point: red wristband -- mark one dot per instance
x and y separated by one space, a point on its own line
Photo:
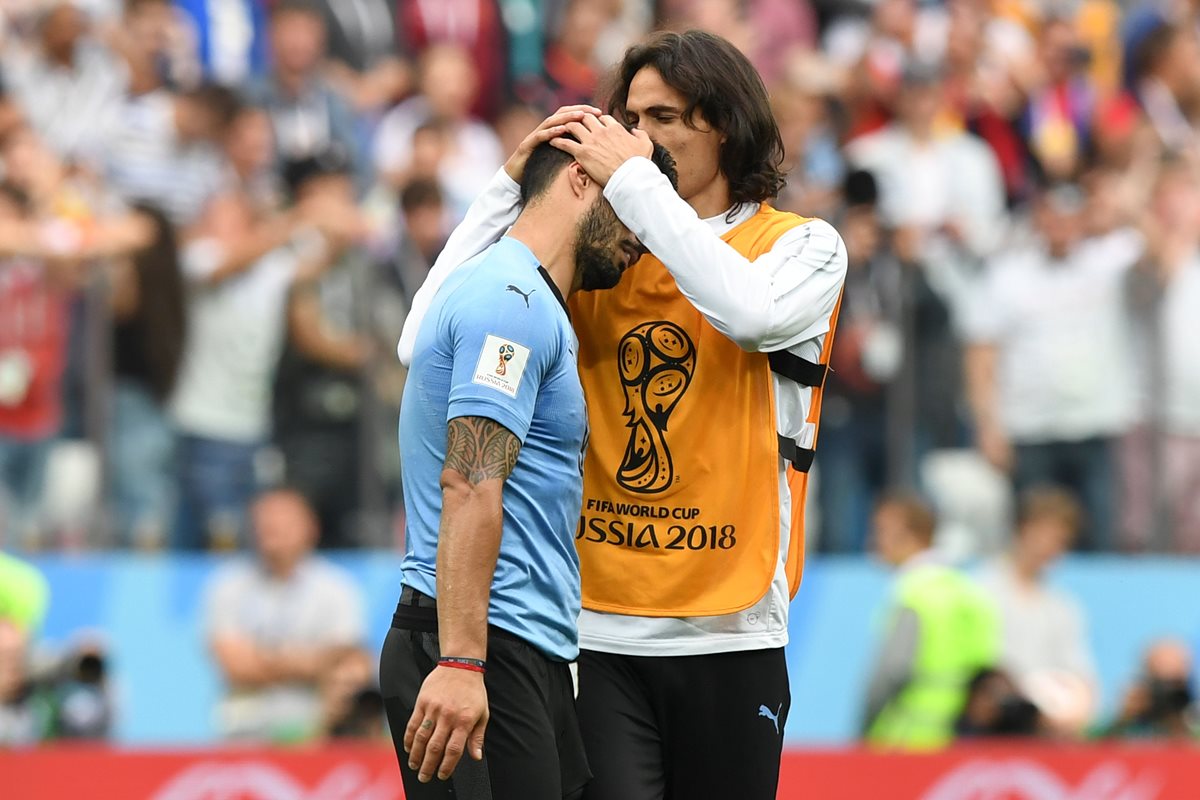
469 664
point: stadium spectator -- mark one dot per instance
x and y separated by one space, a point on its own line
423 207
1058 117
1161 473
466 152
149 323
351 703
1046 323
33 355
321 383
229 38
154 41
802 100
570 74
239 269
68 85
309 115
941 630
249 160
1044 643
1160 704
277 623
473 27
996 708
941 188
982 89
363 61
867 355
1166 82
163 149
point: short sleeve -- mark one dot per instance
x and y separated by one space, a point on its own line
501 354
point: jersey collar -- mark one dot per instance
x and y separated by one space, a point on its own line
553 287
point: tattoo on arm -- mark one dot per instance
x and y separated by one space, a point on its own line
480 449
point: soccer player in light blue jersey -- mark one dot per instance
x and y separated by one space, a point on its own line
493 428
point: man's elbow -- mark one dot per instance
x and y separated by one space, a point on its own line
750 333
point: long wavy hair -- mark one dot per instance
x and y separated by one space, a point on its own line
722 85
161 314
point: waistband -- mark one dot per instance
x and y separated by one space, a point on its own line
417 611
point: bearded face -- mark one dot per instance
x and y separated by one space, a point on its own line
604 248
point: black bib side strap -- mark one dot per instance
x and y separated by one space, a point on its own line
797 369
801 458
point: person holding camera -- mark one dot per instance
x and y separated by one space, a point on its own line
1160 704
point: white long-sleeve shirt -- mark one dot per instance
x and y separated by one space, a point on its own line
782 300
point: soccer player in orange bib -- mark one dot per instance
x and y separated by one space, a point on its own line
702 371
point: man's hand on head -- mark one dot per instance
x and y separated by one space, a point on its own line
551 127
603 145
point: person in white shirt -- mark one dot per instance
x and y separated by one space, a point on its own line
69 86
1161 458
163 149
277 625
1045 330
664 691
1043 636
941 187
239 269
469 149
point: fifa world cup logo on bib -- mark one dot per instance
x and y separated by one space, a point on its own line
656 360
506 355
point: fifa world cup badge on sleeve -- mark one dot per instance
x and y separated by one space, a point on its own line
501 365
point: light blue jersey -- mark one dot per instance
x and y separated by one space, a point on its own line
497 343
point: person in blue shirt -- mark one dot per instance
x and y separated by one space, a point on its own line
493 428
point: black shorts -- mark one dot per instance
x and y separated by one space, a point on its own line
532 746
705 727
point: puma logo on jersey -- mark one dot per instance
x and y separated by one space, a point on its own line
511 288
763 711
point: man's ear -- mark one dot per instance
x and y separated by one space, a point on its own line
578 179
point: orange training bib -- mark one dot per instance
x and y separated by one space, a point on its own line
681 480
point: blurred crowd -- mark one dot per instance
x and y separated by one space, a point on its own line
213 214
999 652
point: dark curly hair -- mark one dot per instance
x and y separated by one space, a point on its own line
721 84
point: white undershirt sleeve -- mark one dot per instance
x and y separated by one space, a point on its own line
784 297
488 218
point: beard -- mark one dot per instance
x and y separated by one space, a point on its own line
599 257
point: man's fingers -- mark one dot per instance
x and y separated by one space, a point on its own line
584 107
566 145
578 130
455 747
592 122
644 138
475 741
608 120
543 135
560 119
410 730
434 750
417 755
569 113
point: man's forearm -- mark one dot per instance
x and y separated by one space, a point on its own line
980 373
468 546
